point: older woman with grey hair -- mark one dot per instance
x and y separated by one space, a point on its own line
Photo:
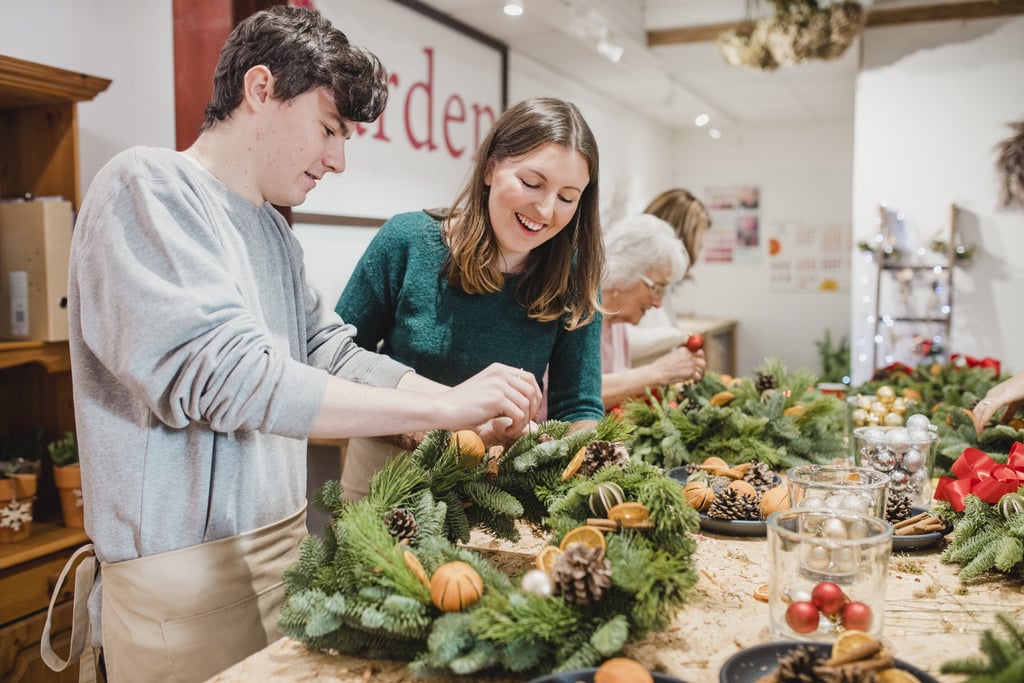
643 257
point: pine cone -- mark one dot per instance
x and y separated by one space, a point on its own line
598 454
765 381
731 504
797 666
690 406
847 675
401 524
897 507
720 482
581 574
760 476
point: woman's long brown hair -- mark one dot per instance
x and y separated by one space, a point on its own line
562 277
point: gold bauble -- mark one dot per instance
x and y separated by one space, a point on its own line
892 420
885 394
859 417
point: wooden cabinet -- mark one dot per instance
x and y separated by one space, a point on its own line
39 157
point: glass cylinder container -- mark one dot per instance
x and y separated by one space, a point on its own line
838 487
904 454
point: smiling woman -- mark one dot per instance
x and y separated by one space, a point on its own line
509 273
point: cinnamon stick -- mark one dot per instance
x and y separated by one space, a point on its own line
910 521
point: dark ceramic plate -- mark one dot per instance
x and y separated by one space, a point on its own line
733 527
725 527
587 676
919 541
746 666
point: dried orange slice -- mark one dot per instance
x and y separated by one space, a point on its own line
848 641
896 676
587 535
574 465
547 557
628 512
413 563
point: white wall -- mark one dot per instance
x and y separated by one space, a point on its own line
127 41
805 177
931 107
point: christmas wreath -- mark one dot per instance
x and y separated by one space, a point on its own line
388 578
777 418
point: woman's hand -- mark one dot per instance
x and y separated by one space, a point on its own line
1010 391
681 365
504 397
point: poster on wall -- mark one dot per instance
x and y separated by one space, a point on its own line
809 257
446 88
735 234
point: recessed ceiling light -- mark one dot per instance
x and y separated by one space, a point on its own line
513 8
715 133
702 119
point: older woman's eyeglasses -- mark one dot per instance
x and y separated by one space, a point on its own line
656 289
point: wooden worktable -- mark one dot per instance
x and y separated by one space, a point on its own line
930 618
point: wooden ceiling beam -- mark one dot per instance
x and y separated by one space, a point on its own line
976 9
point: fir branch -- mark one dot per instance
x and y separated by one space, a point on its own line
1005 662
611 636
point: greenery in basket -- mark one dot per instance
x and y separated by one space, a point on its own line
777 418
357 588
1005 657
21 455
64 452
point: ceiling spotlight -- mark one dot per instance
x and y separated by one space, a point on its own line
513 8
612 51
702 120
715 133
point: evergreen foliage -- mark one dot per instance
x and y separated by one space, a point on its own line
834 358
984 540
791 424
354 589
1005 657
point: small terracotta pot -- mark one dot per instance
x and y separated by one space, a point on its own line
17 497
69 485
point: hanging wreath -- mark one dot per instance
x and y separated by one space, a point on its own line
1010 166
388 580
799 31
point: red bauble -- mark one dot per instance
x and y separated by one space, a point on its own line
802 617
828 598
856 615
694 343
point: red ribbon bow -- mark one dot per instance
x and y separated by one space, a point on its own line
987 362
979 475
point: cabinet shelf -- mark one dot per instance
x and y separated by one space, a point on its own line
913 319
53 356
925 303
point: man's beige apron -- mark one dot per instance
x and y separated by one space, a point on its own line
187 614
363 459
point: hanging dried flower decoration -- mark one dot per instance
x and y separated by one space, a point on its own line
799 31
1010 166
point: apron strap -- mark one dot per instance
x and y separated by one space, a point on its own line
81 629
